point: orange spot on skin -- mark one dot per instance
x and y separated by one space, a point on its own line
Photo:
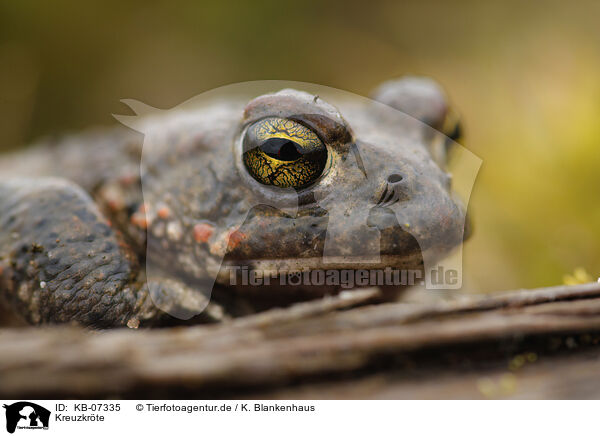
139 220
164 212
114 205
127 179
203 232
235 238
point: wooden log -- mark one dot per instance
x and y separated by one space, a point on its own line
308 341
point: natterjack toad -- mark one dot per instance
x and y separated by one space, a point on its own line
243 181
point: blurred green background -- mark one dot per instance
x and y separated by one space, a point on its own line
524 76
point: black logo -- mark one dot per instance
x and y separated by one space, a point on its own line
26 415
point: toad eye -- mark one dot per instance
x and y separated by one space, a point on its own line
283 153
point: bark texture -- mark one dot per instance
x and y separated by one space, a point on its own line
526 344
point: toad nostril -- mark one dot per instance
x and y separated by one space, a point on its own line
394 178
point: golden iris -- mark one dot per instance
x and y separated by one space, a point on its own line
283 153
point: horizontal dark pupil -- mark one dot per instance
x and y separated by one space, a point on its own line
281 149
